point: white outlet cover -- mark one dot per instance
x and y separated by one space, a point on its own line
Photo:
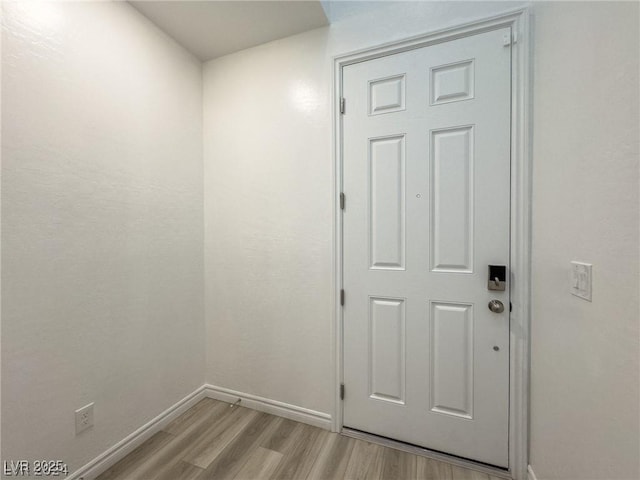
580 280
84 418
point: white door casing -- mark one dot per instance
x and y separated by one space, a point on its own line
426 173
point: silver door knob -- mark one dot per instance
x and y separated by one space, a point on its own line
496 306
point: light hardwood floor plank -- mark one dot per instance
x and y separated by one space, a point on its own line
213 441
397 464
208 416
180 471
262 463
333 458
232 458
365 461
193 415
140 455
207 448
166 457
298 461
282 437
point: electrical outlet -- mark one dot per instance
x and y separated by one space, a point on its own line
581 280
84 418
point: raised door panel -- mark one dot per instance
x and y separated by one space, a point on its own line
387 203
387 349
451 347
452 200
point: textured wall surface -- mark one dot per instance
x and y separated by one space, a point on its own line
268 223
268 203
102 268
585 377
268 199
102 233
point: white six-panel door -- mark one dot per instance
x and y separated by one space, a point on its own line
426 174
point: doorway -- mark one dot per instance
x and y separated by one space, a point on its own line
432 325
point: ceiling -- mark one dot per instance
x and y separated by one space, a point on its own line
213 28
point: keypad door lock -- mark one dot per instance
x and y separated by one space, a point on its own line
497 278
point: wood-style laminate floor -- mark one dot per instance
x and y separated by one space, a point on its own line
214 441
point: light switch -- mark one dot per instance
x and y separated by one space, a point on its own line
581 280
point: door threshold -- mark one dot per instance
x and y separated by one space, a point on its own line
425 452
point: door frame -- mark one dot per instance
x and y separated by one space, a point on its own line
520 228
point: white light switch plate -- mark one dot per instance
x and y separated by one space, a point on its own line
581 280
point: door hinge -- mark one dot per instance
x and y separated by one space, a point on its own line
509 38
342 105
342 297
343 201
510 307
342 391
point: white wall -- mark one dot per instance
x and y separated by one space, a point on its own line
268 218
102 263
585 376
102 223
268 223
268 199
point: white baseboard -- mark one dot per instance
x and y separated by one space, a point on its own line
532 476
121 449
274 407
